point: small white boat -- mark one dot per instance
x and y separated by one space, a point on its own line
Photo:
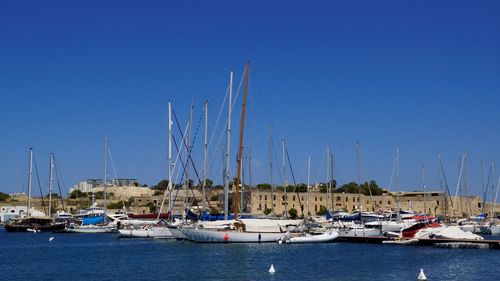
328 236
90 229
146 232
401 241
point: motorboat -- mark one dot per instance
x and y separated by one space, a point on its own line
305 237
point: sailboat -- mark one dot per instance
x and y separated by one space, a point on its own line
32 223
239 230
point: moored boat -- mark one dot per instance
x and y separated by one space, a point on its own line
34 224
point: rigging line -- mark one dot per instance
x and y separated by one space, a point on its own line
294 182
219 116
56 165
112 163
39 184
282 178
170 179
190 159
392 175
321 167
188 155
446 183
485 191
177 158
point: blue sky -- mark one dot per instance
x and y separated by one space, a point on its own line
422 75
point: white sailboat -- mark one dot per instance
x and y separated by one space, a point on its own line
303 238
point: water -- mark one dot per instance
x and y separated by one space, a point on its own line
28 256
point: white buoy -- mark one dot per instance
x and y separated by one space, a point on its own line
271 270
421 275
51 238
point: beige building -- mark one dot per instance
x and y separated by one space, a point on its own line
434 203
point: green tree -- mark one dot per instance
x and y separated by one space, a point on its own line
54 195
4 196
263 186
117 205
322 211
77 194
267 211
214 198
293 213
152 207
161 185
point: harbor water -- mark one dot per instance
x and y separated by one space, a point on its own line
29 256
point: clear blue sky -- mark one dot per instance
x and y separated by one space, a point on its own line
423 75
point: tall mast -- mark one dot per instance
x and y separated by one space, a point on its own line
30 175
105 174
423 187
328 176
357 169
495 201
188 154
284 177
240 152
271 167
205 149
308 178
228 145
51 178
170 164
397 181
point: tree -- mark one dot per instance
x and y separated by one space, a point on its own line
263 186
4 196
117 205
152 207
322 211
161 185
293 213
214 198
54 195
77 194
267 211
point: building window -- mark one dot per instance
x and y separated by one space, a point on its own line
260 206
315 208
315 198
321 199
274 197
293 198
260 197
347 199
265 197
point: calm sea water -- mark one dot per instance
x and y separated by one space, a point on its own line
28 256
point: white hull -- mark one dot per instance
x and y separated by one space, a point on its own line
308 238
220 236
90 229
358 232
177 233
495 230
150 232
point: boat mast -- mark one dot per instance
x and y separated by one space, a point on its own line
51 179
240 150
188 154
170 165
308 178
358 176
205 148
228 145
285 184
105 174
271 167
397 182
495 201
423 187
328 176
30 175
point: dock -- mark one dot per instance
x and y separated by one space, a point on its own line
438 242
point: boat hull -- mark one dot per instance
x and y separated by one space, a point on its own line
321 238
154 232
90 229
216 236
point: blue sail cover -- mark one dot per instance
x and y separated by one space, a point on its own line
92 220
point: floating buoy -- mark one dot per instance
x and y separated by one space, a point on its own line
421 275
271 270
51 238
226 237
